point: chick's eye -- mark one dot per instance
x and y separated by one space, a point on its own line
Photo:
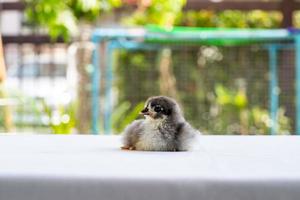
157 109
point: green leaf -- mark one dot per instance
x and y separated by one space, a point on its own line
132 115
223 95
240 99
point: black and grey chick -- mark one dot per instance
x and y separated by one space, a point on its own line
163 129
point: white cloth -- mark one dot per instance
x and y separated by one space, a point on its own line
56 167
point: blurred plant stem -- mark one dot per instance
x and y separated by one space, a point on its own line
2 63
82 55
7 119
166 75
5 110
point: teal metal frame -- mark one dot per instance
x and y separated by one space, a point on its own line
274 88
95 88
133 39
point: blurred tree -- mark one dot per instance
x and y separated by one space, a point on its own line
69 18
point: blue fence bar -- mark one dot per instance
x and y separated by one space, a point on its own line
274 88
108 87
95 89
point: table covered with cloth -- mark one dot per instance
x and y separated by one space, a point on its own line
90 167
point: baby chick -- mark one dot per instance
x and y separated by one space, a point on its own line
163 129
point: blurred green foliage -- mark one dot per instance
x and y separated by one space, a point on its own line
170 11
60 118
35 113
296 17
233 114
124 114
61 17
163 13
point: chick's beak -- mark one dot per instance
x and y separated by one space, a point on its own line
145 111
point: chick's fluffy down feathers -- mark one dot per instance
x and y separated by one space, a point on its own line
158 132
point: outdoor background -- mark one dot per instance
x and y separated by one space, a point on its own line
222 89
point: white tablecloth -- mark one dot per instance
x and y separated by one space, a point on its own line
93 167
